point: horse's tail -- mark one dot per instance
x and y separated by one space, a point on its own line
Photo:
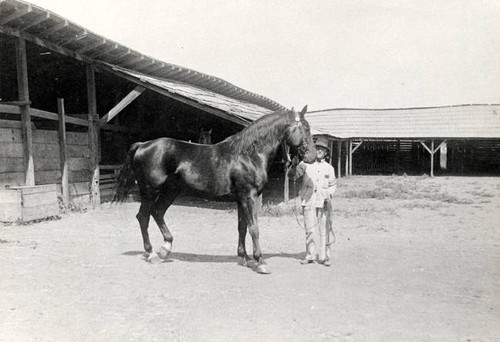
126 178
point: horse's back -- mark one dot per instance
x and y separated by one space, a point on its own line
189 164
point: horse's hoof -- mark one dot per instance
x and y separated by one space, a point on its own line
153 258
242 262
164 252
262 268
246 262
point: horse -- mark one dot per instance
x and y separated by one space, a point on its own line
236 168
205 136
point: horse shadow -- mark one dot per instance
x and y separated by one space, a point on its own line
211 258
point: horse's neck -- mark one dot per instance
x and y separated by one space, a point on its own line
264 137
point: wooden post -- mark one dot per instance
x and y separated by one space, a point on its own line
398 156
23 93
347 158
63 152
93 118
350 157
339 158
432 158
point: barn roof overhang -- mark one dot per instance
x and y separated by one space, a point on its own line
447 122
214 103
211 94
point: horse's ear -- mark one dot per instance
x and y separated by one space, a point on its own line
303 111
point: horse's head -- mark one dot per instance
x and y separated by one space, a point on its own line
299 137
205 136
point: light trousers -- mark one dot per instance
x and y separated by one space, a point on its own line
317 238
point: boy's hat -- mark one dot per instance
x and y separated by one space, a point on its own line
323 142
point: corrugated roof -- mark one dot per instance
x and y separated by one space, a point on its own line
22 19
240 112
461 121
244 111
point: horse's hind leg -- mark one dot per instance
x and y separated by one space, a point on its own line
249 205
143 218
162 203
243 257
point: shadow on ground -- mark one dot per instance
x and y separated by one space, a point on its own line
209 258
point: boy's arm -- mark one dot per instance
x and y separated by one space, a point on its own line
297 171
332 183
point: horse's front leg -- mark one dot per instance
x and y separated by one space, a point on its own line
250 208
243 258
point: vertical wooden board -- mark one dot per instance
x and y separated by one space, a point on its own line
46 151
81 200
76 164
78 151
11 165
48 177
79 189
47 164
12 178
10 205
76 138
9 196
79 176
40 199
11 150
10 212
45 137
10 135
63 149
39 212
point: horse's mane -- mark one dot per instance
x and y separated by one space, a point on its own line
265 131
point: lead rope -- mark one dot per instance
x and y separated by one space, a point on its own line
295 206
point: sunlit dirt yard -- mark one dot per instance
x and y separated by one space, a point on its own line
415 259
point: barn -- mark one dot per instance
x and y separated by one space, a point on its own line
449 140
72 101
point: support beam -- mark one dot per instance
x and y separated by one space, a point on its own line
93 118
23 93
350 157
339 158
432 158
347 158
122 104
432 151
356 146
353 146
63 152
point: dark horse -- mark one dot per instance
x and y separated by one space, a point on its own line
237 166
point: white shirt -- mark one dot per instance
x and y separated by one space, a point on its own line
319 179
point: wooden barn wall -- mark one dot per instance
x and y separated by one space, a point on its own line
46 156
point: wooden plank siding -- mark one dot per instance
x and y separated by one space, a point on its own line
46 157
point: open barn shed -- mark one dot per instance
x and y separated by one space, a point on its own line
72 101
449 140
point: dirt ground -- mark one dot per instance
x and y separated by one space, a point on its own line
415 259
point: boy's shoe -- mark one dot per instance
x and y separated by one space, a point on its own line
326 262
306 261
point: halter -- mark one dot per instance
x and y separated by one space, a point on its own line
297 124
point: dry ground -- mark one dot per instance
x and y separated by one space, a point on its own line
416 259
